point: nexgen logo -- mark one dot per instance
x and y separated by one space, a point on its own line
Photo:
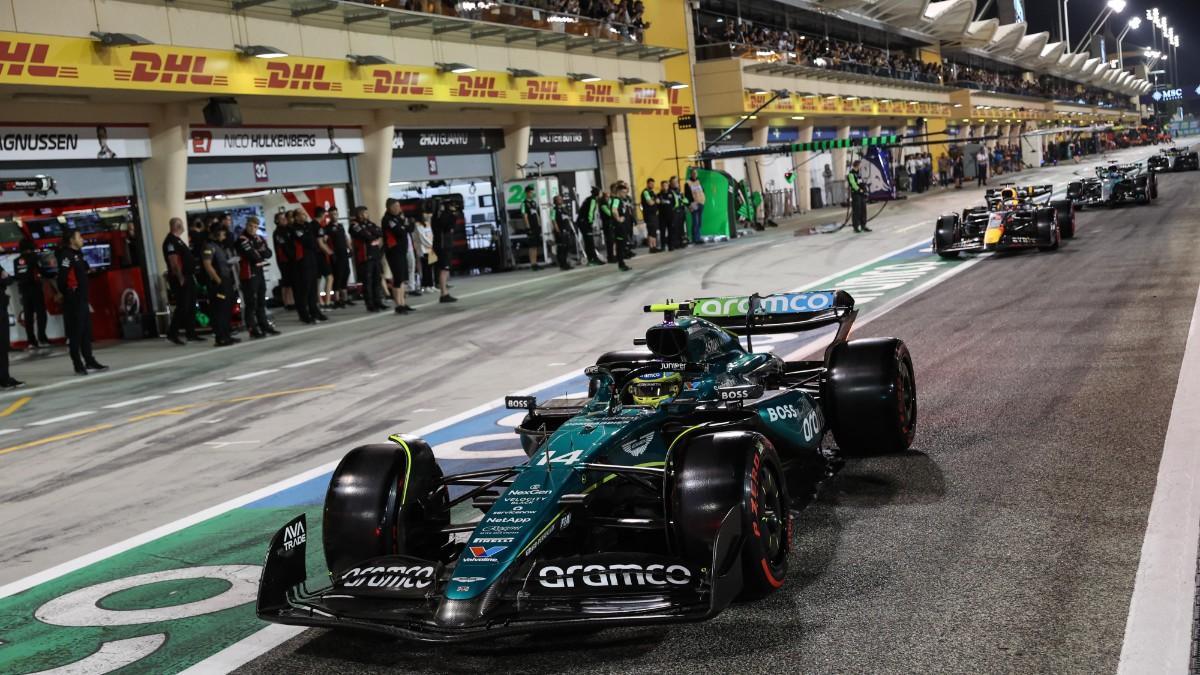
17 58
169 69
303 76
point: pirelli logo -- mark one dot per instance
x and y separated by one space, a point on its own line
542 90
600 93
296 76
29 58
396 83
169 69
477 86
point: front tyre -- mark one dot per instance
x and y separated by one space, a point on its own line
727 470
384 499
870 397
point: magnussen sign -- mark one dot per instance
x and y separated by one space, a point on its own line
42 143
273 141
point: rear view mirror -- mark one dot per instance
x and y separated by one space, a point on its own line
667 342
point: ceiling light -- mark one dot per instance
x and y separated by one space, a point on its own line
755 91
583 77
456 68
368 60
798 117
672 84
830 97
523 72
260 51
631 80
851 98
957 105
119 39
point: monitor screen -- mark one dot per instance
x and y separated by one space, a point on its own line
11 232
44 228
86 223
98 256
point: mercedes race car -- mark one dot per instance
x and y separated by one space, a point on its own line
1174 159
1012 218
663 496
1115 184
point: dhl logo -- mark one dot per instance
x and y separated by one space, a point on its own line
647 96
599 93
18 58
169 69
479 86
675 109
397 83
542 90
303 76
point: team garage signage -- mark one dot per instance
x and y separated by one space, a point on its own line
42 60
418 142
274 141
20 143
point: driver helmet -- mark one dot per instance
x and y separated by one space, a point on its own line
654 389
1009 195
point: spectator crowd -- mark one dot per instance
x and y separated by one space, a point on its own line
623 18
816 51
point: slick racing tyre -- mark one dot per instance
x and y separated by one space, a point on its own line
946 235
1153 188
1065 214
383 499
870 397
1047 230
727 470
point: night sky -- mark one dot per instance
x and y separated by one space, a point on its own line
1182 14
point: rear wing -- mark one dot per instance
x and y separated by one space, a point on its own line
774 313
1022 192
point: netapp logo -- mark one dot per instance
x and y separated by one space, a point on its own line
616 575
416 576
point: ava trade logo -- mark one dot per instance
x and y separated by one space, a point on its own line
303 76
169 69
477 86
542 90
600 93
17 57
397 83
485 551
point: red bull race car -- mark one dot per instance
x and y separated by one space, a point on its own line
1012 218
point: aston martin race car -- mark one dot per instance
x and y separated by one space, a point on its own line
1115 184
1012 218
1174 159
663 496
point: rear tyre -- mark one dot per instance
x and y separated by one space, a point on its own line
1047 224
383 500
870 397
727 470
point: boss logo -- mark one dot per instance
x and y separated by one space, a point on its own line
783 412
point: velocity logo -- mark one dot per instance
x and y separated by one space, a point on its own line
486 552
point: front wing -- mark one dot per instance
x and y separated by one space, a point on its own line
511 606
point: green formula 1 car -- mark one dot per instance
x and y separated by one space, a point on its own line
663 496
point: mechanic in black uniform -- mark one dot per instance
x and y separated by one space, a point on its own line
586 222
215 262
533 227
6 380
284 259
650 214
31 284
368 257
858 198
679 215
396 245
182 283
324 259
73 285
253 254
304 236
337 241
443 225
560 220
616 211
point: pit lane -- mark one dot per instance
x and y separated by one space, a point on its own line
1007 541
388 376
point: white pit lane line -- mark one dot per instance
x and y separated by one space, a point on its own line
1158 632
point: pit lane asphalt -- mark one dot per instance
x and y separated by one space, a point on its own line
1006 541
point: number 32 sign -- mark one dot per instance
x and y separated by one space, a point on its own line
260 172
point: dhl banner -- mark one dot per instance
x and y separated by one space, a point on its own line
822 105
54 61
